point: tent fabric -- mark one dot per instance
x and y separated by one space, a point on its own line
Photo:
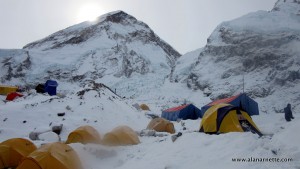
120 136
224 118
84 135
225 100
5 90
241 100
50 87
183 112
40 88
144 107
176 108
12 96
161 125
12 152
50 156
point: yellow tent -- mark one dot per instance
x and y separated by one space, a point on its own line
13 150
122 135
52 156
4 90
161 125
84 135
223 118
144 107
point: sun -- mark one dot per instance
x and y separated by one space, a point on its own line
89 12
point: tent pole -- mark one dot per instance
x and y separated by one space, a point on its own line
243 83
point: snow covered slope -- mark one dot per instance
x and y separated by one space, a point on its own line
92 104
117 47
117 50
261 46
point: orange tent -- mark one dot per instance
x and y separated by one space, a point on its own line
13 150
122 135
52 156
84 135
161 125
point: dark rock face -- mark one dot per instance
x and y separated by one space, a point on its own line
120 17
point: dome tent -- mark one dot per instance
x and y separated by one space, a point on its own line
119 136
161 125
13 150
52 156
224 118
84 135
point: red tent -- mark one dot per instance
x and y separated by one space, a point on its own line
241 100
176 108
12 96
225 100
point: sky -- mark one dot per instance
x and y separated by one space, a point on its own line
184 24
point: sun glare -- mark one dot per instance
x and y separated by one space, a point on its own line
89 12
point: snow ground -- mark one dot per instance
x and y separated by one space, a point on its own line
192 150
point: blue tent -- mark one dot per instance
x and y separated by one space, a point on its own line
184 112
242 101
50 87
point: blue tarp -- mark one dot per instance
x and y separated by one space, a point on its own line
182 112
50 87
242 100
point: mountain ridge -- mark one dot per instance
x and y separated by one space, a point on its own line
126 54
259 47
116 45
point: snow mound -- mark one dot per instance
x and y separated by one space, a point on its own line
99 108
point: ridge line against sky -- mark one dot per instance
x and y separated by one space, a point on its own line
185 25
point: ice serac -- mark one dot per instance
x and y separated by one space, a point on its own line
262 47
14 65
116 47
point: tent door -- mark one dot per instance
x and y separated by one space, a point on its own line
248 127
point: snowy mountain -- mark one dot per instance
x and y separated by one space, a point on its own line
117 47
261 47
91 59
